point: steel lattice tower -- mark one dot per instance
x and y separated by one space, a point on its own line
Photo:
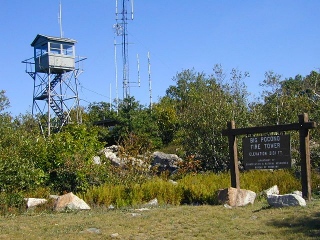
55 70
121 31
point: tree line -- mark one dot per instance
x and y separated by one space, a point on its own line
187 120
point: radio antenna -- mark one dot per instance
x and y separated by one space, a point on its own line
120 27
116 74
131 9
138 66
60 19
149 72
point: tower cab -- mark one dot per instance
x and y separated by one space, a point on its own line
53 54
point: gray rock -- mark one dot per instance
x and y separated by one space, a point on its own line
33 202
135 214
273 190
165 162
96 160
286 200
173 182
55 197
114 235
152 203
299 193
92 230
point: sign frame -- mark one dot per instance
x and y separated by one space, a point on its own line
302 126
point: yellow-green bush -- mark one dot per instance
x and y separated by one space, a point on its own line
259 180
202 188
191 189
166 192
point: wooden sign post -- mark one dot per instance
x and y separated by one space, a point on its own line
302 126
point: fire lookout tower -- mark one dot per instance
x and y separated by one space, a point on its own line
55 70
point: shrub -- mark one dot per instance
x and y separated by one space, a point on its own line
70 158
11 203
258 181
202 188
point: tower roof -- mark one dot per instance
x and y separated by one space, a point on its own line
41 38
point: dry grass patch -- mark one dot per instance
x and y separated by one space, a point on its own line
170 222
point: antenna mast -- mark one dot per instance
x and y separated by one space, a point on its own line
149 72
138 67
121 31
60 19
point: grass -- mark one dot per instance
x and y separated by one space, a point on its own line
256 221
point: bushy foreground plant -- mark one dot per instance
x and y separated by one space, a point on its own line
70 158
191 189
19 168
135 194
11 203
258 181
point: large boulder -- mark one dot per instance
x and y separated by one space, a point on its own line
286 200
235 197
165 162
70 201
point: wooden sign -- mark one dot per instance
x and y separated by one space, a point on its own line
302 126
267 152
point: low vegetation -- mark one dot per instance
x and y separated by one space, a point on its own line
187 121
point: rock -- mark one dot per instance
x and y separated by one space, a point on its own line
173 182
142 209
71 202
299 193
286 200
152 203
97 160
111 153
161 161
114 235
273 190
227 206
33 202
92 230
165 162
236 197
55 197
135 214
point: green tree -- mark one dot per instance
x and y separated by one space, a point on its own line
204 106
167 119
4 101
284 100
19 170
70 157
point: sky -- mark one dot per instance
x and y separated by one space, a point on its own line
249 35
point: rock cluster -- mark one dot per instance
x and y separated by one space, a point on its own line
233 197
286 200
67 201
159 160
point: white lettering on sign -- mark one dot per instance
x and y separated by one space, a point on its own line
270 139
253 140
267 152
272 145
255 146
